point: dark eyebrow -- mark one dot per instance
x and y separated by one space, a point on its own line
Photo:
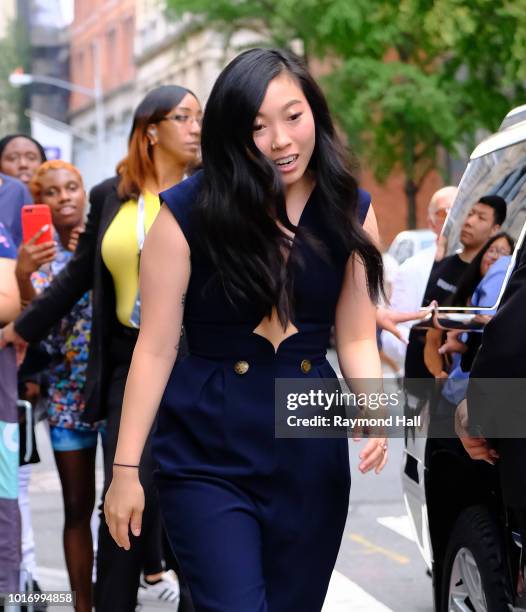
286 107
183 108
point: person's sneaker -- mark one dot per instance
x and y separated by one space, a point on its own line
165 591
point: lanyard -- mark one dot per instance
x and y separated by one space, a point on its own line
141 231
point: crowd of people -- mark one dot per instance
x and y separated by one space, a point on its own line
256 255
87 334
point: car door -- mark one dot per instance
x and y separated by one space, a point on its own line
496 167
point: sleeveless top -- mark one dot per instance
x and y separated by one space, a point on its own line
316 287
215 419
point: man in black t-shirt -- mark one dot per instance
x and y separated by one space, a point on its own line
444 277
483 221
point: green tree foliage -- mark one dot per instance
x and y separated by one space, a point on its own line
407 77
14 53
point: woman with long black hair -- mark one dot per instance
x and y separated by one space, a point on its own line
261 252
163 144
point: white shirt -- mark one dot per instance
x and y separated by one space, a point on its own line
408 290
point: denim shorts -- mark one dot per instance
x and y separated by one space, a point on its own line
64 439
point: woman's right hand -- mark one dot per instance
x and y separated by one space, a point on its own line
124 505
31 256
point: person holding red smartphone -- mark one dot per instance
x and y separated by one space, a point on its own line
164 144
60 187
32 255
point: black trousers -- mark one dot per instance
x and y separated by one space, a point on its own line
118 570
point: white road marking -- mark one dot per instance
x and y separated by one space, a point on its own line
399 524
53 579
344 595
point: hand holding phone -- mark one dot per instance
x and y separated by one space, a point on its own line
34 218
38 247
31 255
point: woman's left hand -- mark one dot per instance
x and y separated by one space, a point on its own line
373 455
74 238
387 319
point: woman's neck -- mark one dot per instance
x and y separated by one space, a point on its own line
297 194
169 173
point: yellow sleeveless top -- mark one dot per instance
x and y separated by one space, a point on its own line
120 252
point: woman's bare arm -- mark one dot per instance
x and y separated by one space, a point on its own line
355 326
9 294
355 323
355 334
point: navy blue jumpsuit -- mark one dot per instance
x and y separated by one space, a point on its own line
256 522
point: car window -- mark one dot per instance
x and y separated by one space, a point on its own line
496 167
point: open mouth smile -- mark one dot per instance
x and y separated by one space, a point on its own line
286 161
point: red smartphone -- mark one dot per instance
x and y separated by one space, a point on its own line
34 217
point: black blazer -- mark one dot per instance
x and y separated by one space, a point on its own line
85 271
500 407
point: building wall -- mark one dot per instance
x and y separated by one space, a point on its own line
389 202
168 52
102 35
163 51
6 15
49 39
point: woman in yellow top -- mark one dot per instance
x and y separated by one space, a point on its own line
164 143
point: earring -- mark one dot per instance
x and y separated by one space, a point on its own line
152 133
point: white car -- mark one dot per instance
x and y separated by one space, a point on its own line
409 242
471 549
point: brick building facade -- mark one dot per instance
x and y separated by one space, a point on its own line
102 38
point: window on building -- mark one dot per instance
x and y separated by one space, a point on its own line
128 30
111 51
79 74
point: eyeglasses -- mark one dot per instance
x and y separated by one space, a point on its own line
183 119
502 251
